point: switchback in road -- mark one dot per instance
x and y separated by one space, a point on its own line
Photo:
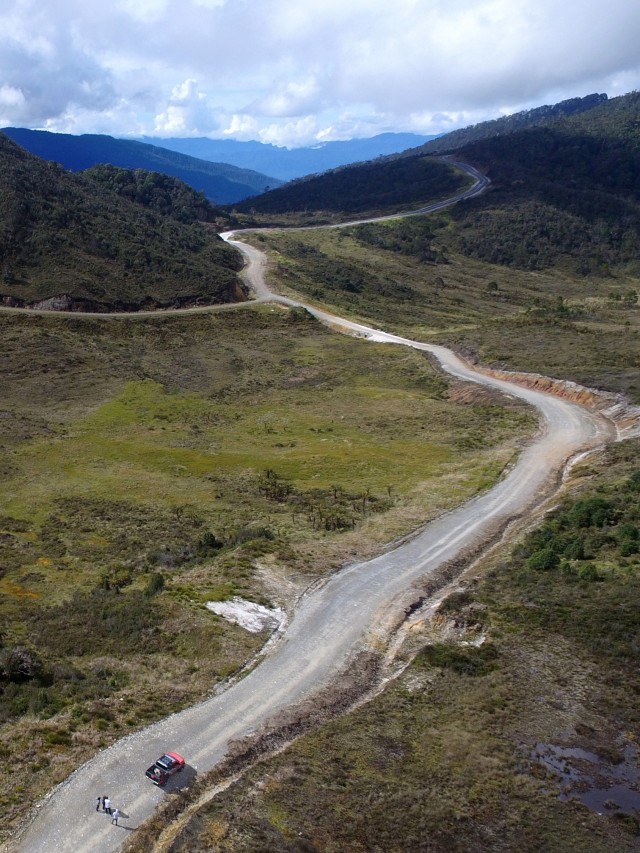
331 625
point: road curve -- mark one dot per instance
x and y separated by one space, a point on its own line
329 625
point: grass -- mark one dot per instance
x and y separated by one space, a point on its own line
442 760
133 457
553 322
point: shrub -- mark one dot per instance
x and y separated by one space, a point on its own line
574 549
463 660
209 544
628 548
456 601
544 559
591 512
19 664
588 573
155 584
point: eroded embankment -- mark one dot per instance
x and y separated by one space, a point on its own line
622 414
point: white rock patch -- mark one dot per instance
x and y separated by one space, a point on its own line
249 615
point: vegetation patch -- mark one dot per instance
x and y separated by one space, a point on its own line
75 239
364 189
446 758
152 465
556 323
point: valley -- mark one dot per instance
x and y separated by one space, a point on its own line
145 448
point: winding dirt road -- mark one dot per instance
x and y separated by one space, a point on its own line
331 624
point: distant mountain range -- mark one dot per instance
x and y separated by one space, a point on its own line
225 170
285 163
221 183
565 191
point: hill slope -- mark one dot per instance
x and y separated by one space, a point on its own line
365 189
221 183
67 238
567 194
288 164
540 116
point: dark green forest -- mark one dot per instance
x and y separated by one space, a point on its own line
396 185
155 190
566 195
64 235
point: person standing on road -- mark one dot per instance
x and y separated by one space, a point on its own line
98 803
115 816
107 805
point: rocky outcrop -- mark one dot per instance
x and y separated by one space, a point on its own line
55 303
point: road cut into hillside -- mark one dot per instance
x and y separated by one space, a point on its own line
332 624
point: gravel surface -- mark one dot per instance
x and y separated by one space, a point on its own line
331 624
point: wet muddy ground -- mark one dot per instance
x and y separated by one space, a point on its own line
597 782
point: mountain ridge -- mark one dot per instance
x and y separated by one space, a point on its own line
288 164
535 117
220 182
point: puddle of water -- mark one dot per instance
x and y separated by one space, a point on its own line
618 798
600 785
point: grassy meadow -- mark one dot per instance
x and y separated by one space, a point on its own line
405 276
151 464
447 758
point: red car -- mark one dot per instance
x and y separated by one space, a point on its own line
165 766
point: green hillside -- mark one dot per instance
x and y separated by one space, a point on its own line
365 189
154 463
564 194
539 116
156 191
537 274
515 725
567 194
70 236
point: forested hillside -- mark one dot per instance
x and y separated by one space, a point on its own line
386 186
156 191
565 194
539 116
68 239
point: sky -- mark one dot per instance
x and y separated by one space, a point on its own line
302 72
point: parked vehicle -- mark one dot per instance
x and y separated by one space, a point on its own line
165 767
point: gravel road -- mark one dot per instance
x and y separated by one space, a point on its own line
330 625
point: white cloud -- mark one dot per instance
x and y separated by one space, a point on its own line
242 127
11 97
279 68
290 99
291 134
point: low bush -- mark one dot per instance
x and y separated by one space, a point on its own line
463 660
